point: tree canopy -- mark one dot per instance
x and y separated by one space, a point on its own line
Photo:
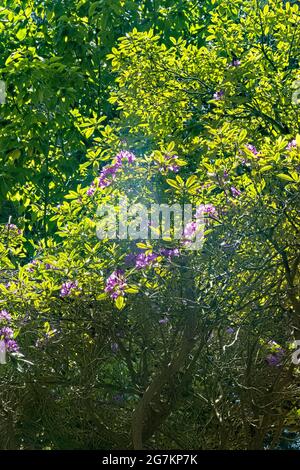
141 342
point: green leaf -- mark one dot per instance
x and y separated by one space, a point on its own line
284 177
21 34
120 302
173 183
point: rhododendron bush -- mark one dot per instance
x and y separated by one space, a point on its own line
143 342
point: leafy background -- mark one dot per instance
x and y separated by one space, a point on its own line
195 352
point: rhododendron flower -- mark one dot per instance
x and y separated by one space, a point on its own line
67 287
91 190
11 227
170 164
14 228
11 345
169 253
190 230
235 192
230 330
6 332
292 144
206 209
174 168
276 356
109 172
144 260
252 149
125 155
130 259
275 359
49 266
218 95
5 316
116 284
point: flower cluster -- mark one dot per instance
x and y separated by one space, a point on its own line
274 359
190 231
230 330
116 284
163 321
252 149
235 192
91 190
13 228
218 95
143 260
291 145
68 287
7 333
170 164
108 173
169 252
208 209
5 316
192 228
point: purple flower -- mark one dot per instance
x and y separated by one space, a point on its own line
116 284
274 360
67 287
6 332
169 253
163 321
130 259
206 209
31 266
144 260
125 155
11 345
230 330
91 190
292 144
11 227
234 63
190 230
108 174
174 168
225 174
235 192
218 95
276 356
252 149
170 164
4 315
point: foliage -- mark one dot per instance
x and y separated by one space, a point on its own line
163 349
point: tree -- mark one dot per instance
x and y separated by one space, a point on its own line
146 343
